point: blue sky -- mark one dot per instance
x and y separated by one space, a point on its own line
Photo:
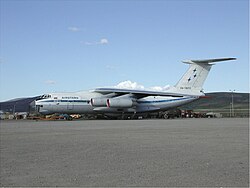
58 46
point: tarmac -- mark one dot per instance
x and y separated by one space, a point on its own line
125 153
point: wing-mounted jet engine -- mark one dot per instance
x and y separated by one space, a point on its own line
124 101
115 103
101 101
114 100
98 102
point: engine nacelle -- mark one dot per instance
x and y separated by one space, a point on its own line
120 103
98 102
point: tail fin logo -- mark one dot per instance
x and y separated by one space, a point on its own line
193 76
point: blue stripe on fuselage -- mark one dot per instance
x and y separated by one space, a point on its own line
85 101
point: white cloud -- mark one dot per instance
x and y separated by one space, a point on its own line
103 41
129 85
50 82
134 85
74 29
88 43
159 88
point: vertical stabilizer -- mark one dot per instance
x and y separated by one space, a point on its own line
192 81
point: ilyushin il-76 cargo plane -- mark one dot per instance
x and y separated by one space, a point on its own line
113 101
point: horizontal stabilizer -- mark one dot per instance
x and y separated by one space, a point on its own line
208 61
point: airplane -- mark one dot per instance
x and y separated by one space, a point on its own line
116 102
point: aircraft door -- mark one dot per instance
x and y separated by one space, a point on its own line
70 106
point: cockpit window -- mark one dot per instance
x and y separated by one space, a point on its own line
46 96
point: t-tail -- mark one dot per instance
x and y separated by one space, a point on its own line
192 81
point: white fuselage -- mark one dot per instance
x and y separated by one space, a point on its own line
79 103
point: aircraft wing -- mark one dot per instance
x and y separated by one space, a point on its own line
138 93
